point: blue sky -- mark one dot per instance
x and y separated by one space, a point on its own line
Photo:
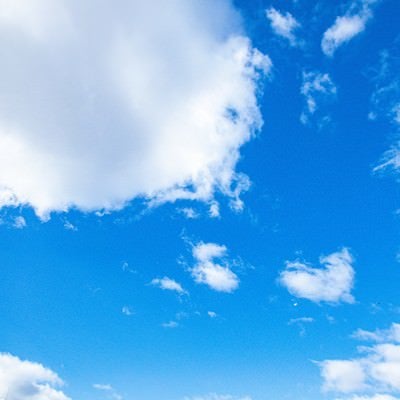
199 201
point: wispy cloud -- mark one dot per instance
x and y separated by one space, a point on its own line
348 26
283 25
318 90
168 284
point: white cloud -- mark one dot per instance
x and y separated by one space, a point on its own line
99 111
212 314
26 380
214 396
126 310
317 89
189 212
170 324
380 335
373 397
109 389
377 371
101 386
347 26
217 275
343 375
19 222
331 283
168 284
283 24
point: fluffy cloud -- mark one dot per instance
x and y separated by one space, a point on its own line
25 380
347 26
217 275
317 89
168 284
131 103
332 283
377 371
283 24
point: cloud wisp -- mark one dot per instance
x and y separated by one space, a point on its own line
347 26
284 25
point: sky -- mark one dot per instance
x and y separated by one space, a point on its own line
199 200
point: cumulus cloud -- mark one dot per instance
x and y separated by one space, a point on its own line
347 26
26 380
283 24
168 284
318 90
212 268
378 370
130 104
331 283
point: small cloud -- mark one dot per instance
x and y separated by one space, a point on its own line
332 283
101 386
318 90
168 284
216 274
189 212
347 26
170 324
69 226
300 323
19 222
283 25
127 311
212 314
213 211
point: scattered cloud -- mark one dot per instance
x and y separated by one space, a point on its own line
209 271
69 226
332 283
170 324
214 396
113 394
189 212
19 222
158 111
318 90
283 25
212 314
26 380
300 323
127 311
377 370
348 26
168 284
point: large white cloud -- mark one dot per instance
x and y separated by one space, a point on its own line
377 371
346 27
332 283
103 102
25 380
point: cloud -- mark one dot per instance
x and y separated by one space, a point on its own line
109 389
98 111
126 310
377 371
170 324
318 89
283 24
214 396
380 335
373 397
331 283
19 222
217 275
26 380
168 284
347 26
212 314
